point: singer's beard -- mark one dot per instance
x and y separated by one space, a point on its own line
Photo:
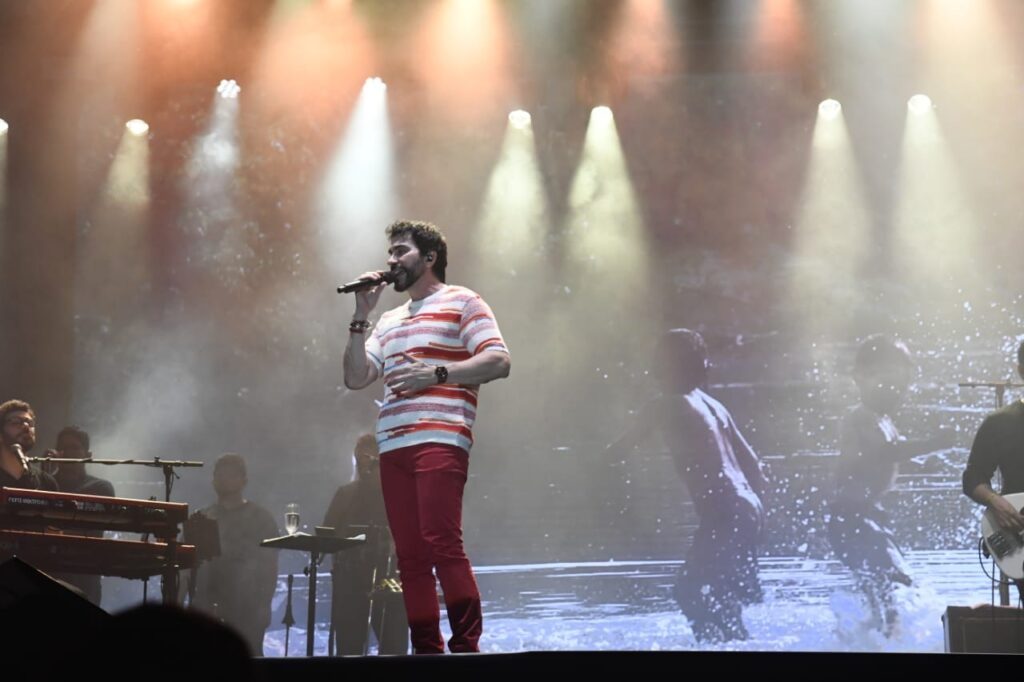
26 441
406 278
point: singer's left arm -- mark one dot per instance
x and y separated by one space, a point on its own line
483 367
489 357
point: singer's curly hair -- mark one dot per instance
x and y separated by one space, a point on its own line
12 406
427 238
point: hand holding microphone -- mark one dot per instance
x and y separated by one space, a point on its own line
368 288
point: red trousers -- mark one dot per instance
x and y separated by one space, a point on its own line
422 487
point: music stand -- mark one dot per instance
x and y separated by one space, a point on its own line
316 546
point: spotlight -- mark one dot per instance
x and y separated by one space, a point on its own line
519 119
375 83
601 114
919 104
137 127
829 108
228 89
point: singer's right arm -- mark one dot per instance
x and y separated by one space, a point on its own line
359 372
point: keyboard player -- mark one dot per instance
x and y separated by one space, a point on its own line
18 421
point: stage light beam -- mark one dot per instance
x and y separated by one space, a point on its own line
515 196
520 119
936 230
920 104
831 233
607 255
829 109
601 116
228 89
357 195
137 127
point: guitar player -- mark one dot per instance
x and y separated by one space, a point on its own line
999 444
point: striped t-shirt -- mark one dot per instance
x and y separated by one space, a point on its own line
450 325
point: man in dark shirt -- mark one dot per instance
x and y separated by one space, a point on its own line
358 507
237 586
73 443
999 444
18 421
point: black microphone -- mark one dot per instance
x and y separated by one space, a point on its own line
366 282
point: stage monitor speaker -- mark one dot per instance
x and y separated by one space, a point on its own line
984 629
33 603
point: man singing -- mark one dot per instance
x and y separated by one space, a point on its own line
433 352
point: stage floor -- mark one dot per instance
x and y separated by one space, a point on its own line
627 606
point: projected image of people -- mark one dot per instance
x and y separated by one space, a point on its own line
724 478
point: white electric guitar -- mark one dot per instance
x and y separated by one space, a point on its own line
1005 546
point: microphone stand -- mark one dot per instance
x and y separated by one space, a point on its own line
167 465
999 386
289 620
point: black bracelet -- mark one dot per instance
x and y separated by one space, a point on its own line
358 326
441 372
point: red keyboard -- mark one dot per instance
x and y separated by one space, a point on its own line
36 509
97 556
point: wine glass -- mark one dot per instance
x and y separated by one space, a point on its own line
291 518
